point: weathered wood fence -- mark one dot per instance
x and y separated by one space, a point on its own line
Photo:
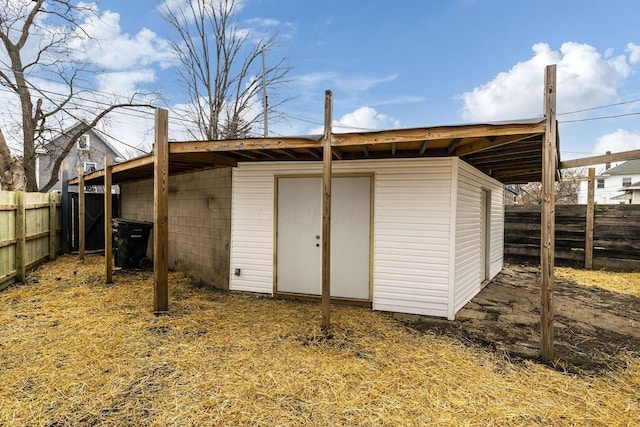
616 235
29 232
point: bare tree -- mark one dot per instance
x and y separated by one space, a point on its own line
220 68
37 38
566 191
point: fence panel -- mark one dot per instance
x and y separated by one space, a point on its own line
40 240
616 239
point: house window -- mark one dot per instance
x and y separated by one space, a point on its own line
626 182
90 166
83 143
601 183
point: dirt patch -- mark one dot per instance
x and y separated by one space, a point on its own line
595 329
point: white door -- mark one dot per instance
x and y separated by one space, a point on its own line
299 243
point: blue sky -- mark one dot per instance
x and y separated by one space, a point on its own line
414 63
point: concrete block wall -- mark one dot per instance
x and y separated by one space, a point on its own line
199 221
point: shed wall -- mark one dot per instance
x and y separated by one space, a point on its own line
467 255
411 229
199 221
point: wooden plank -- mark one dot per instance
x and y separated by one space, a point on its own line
423 147
242 144
21 234
526 130
108 200
8 207
52 226
36 236
588 244
82 235
8 242
598 160
161 212
64 208
547 249
6 278
326 212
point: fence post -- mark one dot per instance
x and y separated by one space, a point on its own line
21 241
64 209
81 213
588 240
108 200
52 226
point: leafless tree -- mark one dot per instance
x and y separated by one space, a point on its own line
566 191
220 68
36 54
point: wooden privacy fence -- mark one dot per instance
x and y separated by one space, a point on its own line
29 227
616 235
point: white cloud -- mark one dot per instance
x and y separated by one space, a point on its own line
124 83
585 79
634 53
362 119
107 46
620 140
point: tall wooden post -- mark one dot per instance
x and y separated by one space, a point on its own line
547 250
21 236
326 213
161 212
81 213
588 240
53 247
64 208
108 201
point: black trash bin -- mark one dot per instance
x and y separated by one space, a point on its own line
130 239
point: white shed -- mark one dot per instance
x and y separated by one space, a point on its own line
408 235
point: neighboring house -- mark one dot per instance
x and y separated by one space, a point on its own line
87 153
631 194
511 193
615 186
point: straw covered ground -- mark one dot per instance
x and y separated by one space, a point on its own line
77 352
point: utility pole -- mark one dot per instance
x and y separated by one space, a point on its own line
265 104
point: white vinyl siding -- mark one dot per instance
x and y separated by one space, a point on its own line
467 253
252 246
411 229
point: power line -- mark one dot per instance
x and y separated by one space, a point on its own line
599 118
600 107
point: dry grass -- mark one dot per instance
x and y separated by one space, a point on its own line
74 351
625 283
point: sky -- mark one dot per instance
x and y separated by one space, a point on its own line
404 64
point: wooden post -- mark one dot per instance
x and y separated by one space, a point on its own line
21 234
108 200
81 215
547 250
161 212
326 213
53 248
588 240
64 208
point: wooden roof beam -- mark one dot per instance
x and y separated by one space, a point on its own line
313 153
488 143
394 146
423 147
337 153
247 155
267 155
365 150
289 154
454 144
242 144
439 133
596 160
